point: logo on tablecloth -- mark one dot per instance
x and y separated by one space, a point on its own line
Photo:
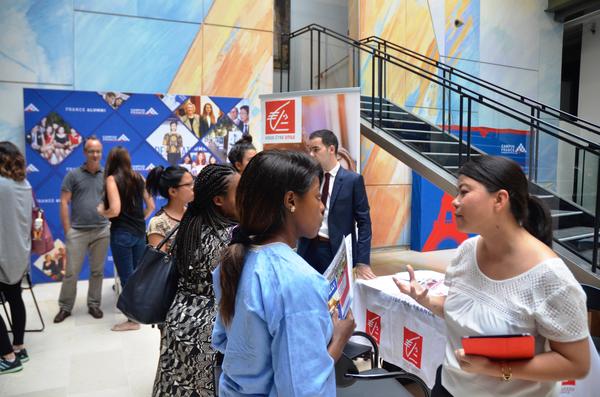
281 117
374 325
567 388
413 347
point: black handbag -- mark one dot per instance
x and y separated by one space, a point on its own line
151 288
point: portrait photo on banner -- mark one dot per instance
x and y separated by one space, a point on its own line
172 140
114 99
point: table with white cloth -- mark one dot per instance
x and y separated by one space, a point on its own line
409 335
412 338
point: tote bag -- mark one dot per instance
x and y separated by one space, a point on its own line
151 288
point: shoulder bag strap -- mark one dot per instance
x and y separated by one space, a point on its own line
167 237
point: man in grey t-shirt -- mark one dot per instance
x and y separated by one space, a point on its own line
85 230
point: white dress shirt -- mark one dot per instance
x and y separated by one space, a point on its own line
324 230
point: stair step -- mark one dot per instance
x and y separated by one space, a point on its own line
383 110
573 233
403 121
559 213
448 154
421 141
413 131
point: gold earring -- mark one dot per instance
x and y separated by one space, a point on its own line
292 209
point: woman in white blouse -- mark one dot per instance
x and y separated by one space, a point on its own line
507 280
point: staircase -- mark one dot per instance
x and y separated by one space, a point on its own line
436 154
573 226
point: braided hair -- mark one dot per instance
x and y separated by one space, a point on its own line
212 181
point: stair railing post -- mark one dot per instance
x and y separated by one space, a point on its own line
444 102
531 145
460 131
537 143
596 220
380 90
450 102
319 60
312 76
468 128
289 65
373 89
385 65
575 174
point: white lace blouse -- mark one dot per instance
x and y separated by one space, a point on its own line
546 301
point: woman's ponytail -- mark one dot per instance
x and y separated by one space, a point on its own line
538 221
153 180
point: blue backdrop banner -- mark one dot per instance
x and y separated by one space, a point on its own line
156 129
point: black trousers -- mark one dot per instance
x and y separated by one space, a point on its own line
439 390
12 295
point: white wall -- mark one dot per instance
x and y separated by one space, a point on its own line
332 14
589 83
589 100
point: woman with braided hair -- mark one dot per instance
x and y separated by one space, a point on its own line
185 363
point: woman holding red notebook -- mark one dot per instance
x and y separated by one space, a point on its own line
506 281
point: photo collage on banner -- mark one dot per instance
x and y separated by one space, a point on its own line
156 129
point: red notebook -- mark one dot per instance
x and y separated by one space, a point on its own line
500 347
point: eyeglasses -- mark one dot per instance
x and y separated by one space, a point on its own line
190 185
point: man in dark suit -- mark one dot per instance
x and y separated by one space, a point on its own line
346 208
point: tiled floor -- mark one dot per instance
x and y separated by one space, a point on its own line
82 357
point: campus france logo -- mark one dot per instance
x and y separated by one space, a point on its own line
520 149
114 138
143 112
32 168
374 325
412 347
31 108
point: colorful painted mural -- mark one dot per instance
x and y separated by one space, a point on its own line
212 47
490 39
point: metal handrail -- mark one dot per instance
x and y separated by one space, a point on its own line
561 114
533 120
453 86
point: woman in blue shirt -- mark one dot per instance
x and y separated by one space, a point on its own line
273 325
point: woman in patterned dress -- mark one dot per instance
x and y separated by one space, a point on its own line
185 363
176 184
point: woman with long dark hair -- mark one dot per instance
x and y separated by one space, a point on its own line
176 184
274 325
185 363
15 246
241 153
123 205
507 280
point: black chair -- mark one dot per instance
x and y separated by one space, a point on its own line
30 288
354 350
375 382
593 303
